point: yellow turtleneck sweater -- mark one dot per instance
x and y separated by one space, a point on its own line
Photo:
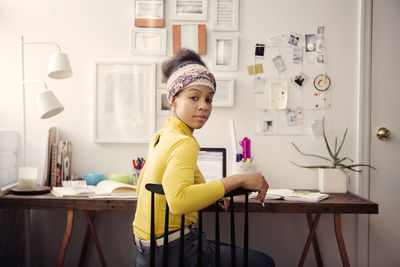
172 162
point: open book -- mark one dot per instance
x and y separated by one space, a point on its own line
289 194
103 189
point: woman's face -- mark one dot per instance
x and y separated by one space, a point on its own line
193 106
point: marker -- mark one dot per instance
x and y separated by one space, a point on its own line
262 203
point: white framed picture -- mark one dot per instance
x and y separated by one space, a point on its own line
149 41
225 94
226 15
189 10
226 49
123 101
162 105
160 81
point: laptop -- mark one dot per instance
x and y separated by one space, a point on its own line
212 163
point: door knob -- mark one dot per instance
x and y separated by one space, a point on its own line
383 134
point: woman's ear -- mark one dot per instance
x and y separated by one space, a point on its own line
173 102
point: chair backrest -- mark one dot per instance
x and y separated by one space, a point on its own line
157 189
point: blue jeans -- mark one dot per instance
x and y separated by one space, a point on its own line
256 258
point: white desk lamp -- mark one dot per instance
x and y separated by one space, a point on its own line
47 103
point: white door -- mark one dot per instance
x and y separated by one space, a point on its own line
385 155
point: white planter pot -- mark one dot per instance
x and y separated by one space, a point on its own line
332 181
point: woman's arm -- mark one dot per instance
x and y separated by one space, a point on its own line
252 181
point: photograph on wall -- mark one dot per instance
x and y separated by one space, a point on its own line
297 55
225 52
310 40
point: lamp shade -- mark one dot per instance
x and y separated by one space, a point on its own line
59 67
48 104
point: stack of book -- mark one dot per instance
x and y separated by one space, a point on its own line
58 165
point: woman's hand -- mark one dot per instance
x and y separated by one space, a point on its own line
251 181
256 182
224 203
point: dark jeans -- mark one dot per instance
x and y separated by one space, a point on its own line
256 258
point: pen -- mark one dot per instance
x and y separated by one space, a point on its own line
262 203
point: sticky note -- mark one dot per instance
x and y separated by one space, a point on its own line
255 69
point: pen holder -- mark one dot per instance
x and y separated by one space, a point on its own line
243 167
134 176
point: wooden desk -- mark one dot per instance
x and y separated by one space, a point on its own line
336 204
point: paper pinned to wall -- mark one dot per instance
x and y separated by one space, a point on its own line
278 95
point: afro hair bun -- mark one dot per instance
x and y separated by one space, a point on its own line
182 58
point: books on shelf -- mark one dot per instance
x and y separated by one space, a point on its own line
289 194
103 189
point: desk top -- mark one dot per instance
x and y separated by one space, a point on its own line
336 203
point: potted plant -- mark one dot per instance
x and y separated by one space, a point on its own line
332 178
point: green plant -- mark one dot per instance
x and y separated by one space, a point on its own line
336 162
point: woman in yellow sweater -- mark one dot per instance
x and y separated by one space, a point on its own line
171 161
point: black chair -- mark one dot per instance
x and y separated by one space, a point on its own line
157 189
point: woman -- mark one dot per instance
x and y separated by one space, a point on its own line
171 161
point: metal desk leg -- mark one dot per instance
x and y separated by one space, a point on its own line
67 234
315 242
309 239
340 240
95 240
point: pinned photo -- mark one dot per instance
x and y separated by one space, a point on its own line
300 79
294 39
291 116
260 48
297 55
320 57
267 127
321 30
279 63
311 41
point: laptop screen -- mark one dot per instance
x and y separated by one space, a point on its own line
212 163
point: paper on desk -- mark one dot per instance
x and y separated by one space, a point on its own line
289 194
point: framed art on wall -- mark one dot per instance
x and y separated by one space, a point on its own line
163 106
123 102
226 48
149 13
189 36
225 94
189 9
226 15
149 41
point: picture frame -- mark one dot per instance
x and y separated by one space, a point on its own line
149 41
160 83
191 36
226 15
226 49
149 13
162 105
225 93
123 101
189 10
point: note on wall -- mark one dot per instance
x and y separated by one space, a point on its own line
278 95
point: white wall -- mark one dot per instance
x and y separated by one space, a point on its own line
100 30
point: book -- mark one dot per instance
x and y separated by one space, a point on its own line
105 188
289 194
52 137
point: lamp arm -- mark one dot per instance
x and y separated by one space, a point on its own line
46 43
36 81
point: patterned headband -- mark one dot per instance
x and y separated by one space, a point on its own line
189 75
